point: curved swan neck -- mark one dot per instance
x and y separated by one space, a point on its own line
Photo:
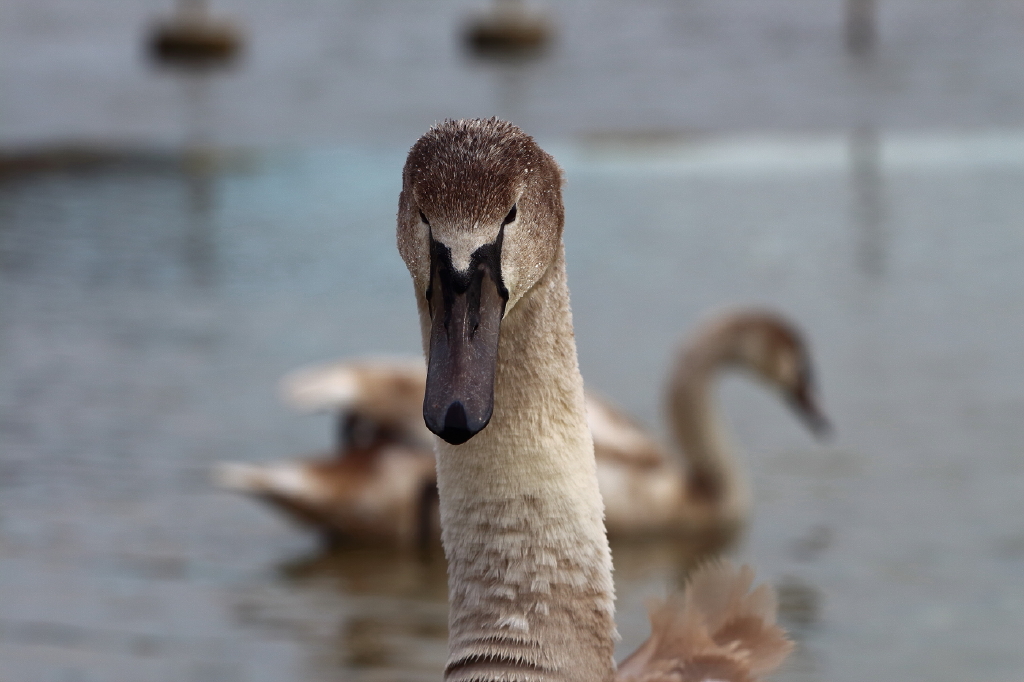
530 589
713 476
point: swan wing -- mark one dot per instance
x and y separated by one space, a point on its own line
617 437
719 629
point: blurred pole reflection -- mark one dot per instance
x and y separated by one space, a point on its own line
511 37
511 81
868 209
196 45
198 252
199 164
860 26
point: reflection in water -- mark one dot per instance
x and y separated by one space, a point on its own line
391 641
199 159
367 570
511 80
799 603
198 252
800 613
511 38
380 611
197 46
667 562
198 115
384 609
868 208
813 544
860 26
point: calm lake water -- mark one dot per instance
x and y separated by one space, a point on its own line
149 306
149 312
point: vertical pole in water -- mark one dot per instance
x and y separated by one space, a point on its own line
861 31
199 160
868 200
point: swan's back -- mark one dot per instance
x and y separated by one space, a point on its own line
617 438
378 401
385 495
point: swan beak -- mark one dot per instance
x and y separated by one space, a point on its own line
803 401
465 312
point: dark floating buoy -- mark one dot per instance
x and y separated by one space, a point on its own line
193 39
510 30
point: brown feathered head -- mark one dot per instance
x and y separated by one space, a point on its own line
479 222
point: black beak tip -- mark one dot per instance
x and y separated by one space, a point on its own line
455 436
455 429
814 418
821 427
818 424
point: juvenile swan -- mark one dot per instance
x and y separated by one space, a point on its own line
368 489
701 493
530 590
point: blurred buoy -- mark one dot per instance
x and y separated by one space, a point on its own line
510 29
193 39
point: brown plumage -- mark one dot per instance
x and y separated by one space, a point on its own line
378 485
697 493
529 569
383 494
377 401
717 629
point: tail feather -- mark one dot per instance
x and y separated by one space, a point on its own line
285 479
717 630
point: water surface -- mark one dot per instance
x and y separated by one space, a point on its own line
149 310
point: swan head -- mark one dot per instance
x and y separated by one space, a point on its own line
479 222
775 351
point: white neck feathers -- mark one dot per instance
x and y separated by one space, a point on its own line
530 588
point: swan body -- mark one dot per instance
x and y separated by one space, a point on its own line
383 494
530 591
376 400
698 493
378 484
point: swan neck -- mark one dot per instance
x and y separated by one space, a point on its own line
713 475
530 589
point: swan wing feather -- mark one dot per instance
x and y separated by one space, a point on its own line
718 629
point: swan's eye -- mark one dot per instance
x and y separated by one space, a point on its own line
510 217
427 222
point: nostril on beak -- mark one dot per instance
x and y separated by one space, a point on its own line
456 427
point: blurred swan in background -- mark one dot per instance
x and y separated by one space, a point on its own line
700 492
378 485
